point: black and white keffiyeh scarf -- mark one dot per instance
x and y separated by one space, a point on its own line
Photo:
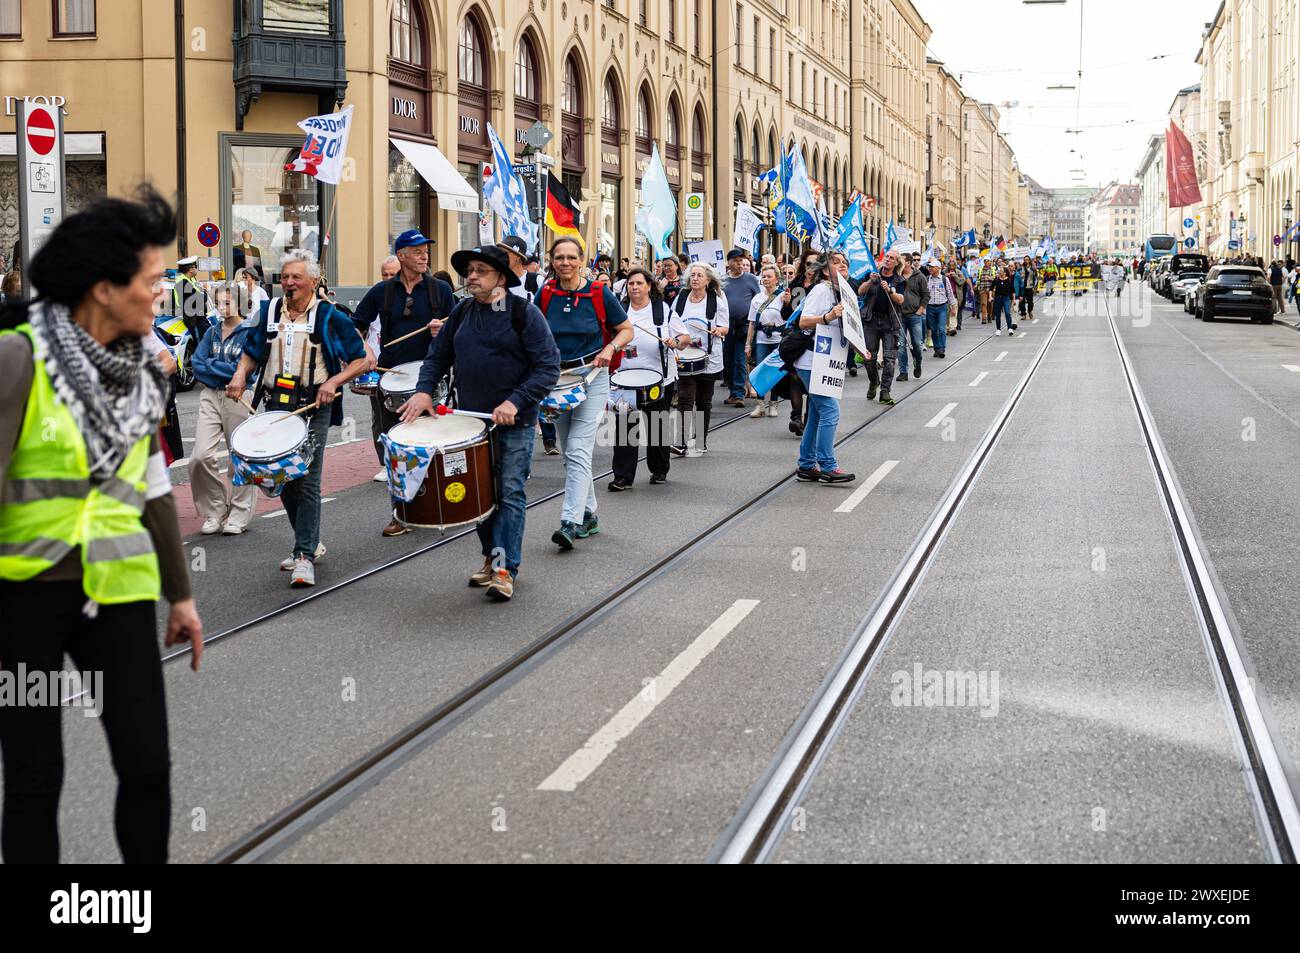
116 394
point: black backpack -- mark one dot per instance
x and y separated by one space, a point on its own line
710 311
796 341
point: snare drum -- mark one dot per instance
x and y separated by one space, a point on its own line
569 391
645 384
398 386
270 449
692 360
366 384
457 488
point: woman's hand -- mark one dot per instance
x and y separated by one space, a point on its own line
604 357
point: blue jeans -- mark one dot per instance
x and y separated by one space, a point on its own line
1002 306
734 369
577 432
502 533
914 328
817 448
301 497
548 431
936 322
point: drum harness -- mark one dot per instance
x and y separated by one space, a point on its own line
710 311
657 316
289 392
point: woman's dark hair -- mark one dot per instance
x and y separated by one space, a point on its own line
803 270
444 276
102 242
572 241
655 293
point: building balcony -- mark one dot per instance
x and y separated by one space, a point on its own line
276 53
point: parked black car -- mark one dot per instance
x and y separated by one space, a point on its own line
1235 291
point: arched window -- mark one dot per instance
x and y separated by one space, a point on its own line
405 37
756 149
526 72
471 66
771 148
697 133
738 143
673 131
644 128
571 91
609 117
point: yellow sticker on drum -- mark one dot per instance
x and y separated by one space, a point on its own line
455 492
654 392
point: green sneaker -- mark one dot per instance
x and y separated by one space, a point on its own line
871 392
565 535
887 400
590 526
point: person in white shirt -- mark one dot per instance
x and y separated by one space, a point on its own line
703 309
817 448
250 292
656 333
766 325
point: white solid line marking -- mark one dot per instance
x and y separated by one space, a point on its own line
579 765
939 417
976 381
1292 368
860 494
1000 356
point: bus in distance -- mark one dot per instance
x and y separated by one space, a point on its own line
1160 246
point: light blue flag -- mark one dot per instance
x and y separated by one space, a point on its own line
891 237
768 373
800 207
505 193
853 241
966 240
776 193
656 218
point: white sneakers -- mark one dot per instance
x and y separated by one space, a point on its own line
997 333
380 477
230 529
304 573
287 565
210 526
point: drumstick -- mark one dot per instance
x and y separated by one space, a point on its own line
383 370
442 410
250 407
384 347
302 410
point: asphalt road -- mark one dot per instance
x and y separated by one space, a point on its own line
1097 736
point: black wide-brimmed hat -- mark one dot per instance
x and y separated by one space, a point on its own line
489 255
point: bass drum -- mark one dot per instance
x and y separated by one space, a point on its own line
459 488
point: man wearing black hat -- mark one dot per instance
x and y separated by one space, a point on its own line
739 286
517 254
506 361
410 302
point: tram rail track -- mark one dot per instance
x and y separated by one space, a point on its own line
324 799
756 831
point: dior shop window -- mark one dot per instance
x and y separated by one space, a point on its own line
86 171
280 210
467 222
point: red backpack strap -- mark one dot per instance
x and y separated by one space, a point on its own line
598 303
548 290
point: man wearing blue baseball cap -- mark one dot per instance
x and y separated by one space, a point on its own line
413 301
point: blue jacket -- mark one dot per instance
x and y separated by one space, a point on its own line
340 343
216 360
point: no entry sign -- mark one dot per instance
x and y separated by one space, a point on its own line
40 130
209 235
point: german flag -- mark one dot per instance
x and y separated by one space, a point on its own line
562 214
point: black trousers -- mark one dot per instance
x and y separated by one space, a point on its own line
1027 301
656 433
44 620
695 393
381 421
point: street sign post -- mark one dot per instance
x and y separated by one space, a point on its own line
209 235
41 180
694 225
1189 223
1189 242
1234 244
1277 239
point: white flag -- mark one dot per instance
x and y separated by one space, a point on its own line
326 147
747 225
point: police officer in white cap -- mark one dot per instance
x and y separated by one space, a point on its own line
189 298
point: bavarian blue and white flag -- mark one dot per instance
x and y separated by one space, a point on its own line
891 237
768 373
800 206
505 194
853 241
966 240
776 189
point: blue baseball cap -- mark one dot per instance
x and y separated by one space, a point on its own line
411 238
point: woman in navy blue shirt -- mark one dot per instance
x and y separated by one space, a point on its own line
589 326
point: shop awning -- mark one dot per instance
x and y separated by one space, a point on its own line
454 193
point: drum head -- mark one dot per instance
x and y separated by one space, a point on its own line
693 353
268 436
635 377
401 379
437 431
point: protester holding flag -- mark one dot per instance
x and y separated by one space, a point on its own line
590 327
740 287
882 295
820 324
765 329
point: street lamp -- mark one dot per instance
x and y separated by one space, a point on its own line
1286 217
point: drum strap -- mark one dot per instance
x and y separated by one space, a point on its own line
710 311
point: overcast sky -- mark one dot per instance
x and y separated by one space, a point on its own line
1004 50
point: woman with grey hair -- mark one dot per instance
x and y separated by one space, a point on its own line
703 309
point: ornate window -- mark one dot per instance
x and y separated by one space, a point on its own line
609 117
526 71
571 91
405 37
471 67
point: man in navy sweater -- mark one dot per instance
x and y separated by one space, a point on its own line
506 361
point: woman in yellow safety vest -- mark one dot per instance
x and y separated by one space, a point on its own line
88 532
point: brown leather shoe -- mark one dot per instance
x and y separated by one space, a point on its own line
395 529
502 586
484 575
